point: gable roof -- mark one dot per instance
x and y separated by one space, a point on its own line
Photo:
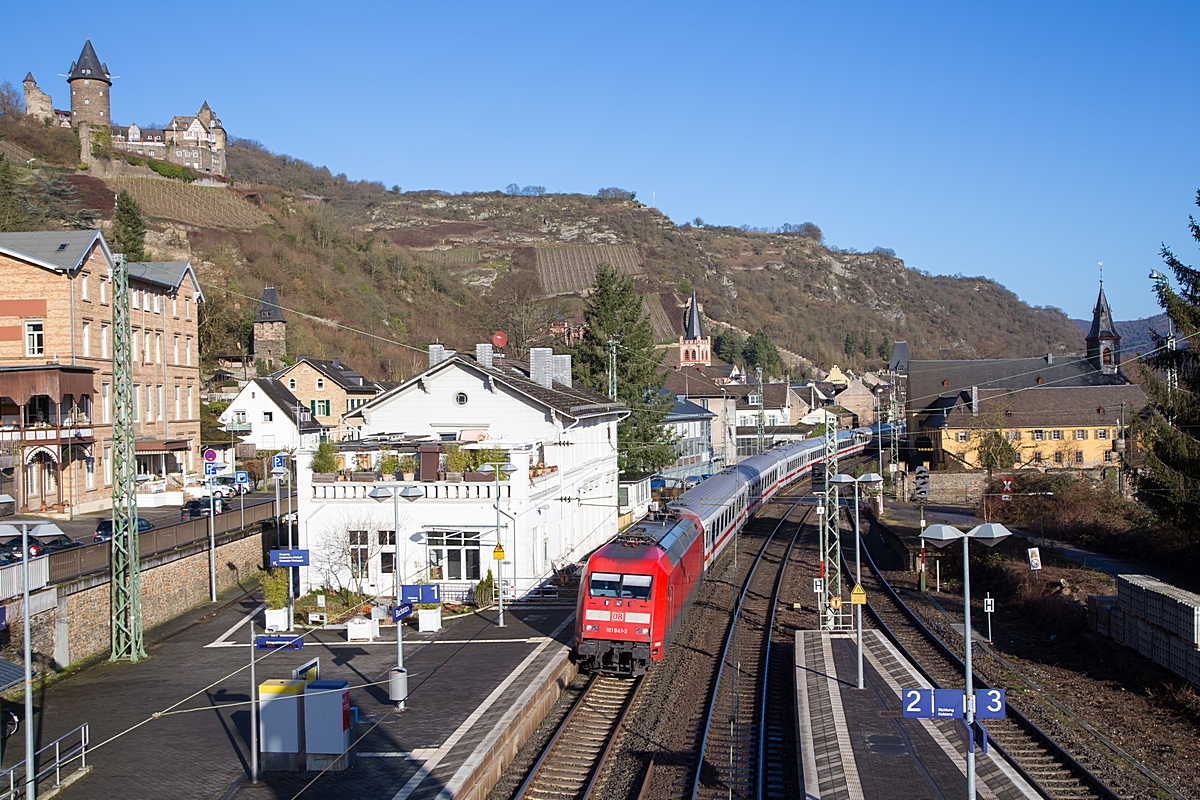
685 410
278 394
775 395
692 382
45 248
343 375
928 380
576 402
89 66
268 307
166 273
1051 406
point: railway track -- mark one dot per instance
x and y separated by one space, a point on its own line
571 762
1053 771
740 727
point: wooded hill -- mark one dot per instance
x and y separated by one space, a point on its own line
415 267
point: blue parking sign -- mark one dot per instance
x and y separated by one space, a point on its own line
948 703
241 477
276 461
210 468
917 703
989 703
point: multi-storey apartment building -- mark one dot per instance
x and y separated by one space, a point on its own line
56 374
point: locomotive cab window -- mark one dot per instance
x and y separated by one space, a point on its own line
610 584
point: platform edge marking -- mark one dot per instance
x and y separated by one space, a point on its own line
849 764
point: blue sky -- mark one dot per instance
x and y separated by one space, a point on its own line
1024 142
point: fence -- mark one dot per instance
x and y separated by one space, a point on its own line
66 749
12 577
67 565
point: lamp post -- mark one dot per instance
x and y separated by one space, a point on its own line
1164 287
278 474
871 479
398 683
990 533
496 468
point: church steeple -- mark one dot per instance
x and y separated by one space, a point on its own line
695 349
1103 341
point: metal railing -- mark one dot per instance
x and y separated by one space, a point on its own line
12 577
67 565
65 750
439 490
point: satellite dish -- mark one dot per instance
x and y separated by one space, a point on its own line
499 339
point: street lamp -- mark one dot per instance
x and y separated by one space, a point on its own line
496 468
990 533
398 683
278 474
871 479
1164 286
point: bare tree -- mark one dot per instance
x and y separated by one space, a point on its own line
520 310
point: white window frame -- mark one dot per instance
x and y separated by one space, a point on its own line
35 338
85 333
83 288
104 326
108 466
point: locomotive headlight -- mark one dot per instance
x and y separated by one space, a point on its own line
591 628
642 631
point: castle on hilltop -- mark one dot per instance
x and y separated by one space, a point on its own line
197 142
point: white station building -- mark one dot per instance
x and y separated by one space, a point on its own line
559 504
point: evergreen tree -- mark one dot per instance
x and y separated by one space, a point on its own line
128 229
728 346
57 200
614 310
1171 485
760 351
850 344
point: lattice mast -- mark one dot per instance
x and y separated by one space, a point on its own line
127 644
831 552
894 405
761 405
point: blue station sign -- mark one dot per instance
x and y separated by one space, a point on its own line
950 703
278 642
401 611
415 593
289 558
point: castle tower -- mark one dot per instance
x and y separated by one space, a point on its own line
37 102
90 83
270 334
695 349
1103 341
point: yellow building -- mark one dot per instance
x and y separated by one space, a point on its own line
330 389
1048 427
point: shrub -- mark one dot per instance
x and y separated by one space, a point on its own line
325 459
275 587
171 170
408 464
389 464
485 589
457 459
135 161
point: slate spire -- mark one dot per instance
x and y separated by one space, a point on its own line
1103 341
692 330
89 66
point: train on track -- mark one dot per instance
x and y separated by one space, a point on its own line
637 589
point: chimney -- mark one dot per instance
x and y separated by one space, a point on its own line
483 354
337 364
562 369
437 354
541 369
974 401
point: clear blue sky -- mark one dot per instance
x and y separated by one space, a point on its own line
1021 142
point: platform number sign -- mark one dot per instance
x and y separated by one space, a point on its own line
917 703
921 483
989 703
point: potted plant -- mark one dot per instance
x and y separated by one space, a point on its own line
389 464
274 584
458 461
408 467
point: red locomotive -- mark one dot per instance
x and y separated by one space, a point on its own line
637 588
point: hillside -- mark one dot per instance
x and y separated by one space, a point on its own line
372 274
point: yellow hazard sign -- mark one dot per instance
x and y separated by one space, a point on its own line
857 596
498 553
835 603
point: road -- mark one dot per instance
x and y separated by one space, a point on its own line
83 526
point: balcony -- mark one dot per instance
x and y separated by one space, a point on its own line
434 490
48 435
237 427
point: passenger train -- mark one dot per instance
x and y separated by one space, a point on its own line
637 588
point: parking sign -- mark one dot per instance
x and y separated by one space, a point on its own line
210 469
210 455
276 461
241 477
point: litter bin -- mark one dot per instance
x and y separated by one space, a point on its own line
327 728
281 724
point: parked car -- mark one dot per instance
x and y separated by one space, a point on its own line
234 487
39 546
198 509
104 529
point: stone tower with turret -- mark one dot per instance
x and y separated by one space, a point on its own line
270 330
90 84
37 102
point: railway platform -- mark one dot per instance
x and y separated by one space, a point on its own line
855 745
475 693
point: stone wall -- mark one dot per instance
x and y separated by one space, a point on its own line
168 589
956 488
90 103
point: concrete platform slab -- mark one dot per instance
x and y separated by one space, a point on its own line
854 744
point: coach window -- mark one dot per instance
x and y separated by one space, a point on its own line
636 587
604 584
